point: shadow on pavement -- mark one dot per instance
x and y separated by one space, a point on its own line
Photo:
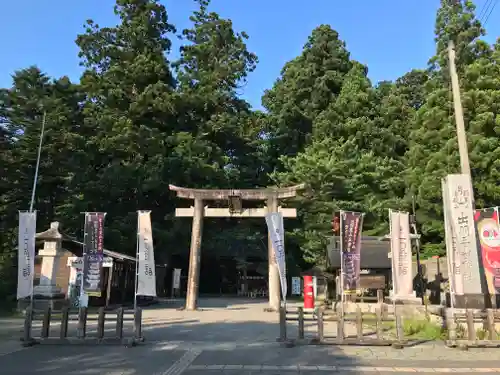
210 303
237 347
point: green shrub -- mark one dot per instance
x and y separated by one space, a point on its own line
422 329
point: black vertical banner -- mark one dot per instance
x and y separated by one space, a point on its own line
350 237
93 255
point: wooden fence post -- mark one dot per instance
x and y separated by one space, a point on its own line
28 323
399 326
119 322
380 296
138 324
471 332
359 323
282 323
340 324
321 327
378 324
400 336
101 319
46 323
301 322
82 322
64 322
452 329
490 322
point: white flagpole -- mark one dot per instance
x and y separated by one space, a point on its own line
33 191
393 260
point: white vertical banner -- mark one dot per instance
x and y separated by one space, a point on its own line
146 275
176 282
276 229
401 253
26 254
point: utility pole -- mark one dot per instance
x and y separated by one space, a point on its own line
459 113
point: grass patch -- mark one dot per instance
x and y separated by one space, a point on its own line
9 313
423 329
415 328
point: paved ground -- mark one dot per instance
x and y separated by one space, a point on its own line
232 337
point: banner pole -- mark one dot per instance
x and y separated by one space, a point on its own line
33 191
136 263
342 260
84 252
32 302
393 266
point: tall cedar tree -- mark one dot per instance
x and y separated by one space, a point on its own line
307 86
433 149
350 164
212 69
21 111
130 115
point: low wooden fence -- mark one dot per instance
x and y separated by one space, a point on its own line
378 324
379 298
82 317
463 332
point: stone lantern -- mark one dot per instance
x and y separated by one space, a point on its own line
47 293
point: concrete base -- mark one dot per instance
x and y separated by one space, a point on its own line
56 303
46 291
129 342
404 300
474 301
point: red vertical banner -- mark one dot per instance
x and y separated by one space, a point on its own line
488 230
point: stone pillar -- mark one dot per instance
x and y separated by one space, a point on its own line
194 256
47 291
402 272
273 273
467 275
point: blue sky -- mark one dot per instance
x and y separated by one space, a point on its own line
390 36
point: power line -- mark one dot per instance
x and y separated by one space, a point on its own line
490 12
484 10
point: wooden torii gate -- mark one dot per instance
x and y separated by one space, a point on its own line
235 198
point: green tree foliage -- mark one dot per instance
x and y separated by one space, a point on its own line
352 162
213 65
130 112
307 86
32 96
433 145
